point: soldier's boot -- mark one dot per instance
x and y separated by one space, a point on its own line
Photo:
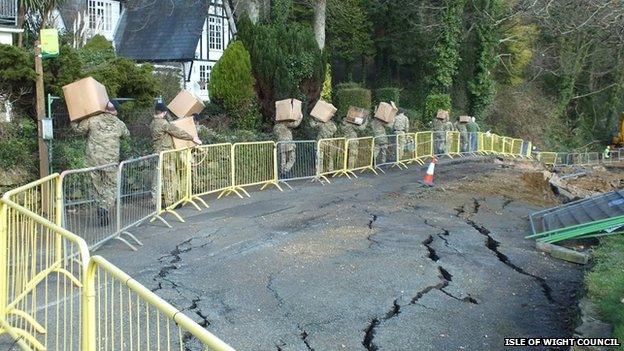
102 217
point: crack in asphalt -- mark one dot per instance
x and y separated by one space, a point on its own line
432 252
493 245
303 335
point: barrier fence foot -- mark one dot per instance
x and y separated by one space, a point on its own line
369 169
174 213
380 170
127 243
158 217
321 179
288 185
190 201
200 200
276 184
137 241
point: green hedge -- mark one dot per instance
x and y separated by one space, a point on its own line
435 102
388 94
349 95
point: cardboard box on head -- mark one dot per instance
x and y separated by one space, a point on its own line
185 104
357 115
323 111
386 111
442 114
188 125
288 110
464 119
85 98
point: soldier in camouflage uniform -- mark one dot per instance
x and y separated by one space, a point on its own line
163 133
401 127
350 131
441 125
461 127
283 132
325 130
103 133
381 140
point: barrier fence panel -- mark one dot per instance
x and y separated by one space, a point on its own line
330 158
472 143
424 146
507 146
90 203
174 181
516 147
126 315
497 144
453 144
41 270
296 160
406 147
486 143
211 170
40 197
137 194
526 149
254 164
386 151
360 155
593 158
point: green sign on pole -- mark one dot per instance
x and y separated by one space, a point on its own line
49 43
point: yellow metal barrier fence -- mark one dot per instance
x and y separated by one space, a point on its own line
175 182
359 155
516 147
123 314
406 148
507 146
424 146
453 144
330 158
211 171
253 163
41 274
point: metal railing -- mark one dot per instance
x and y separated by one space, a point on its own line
8 12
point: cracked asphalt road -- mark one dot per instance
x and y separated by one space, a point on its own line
377 263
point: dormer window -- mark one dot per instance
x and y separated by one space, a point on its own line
100 15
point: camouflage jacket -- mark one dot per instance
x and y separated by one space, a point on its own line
325 130
103 133
461 127
442 126
379 131
283 133
350 130
162 133
401 123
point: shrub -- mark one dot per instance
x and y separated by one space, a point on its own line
232 85
96 51
62 70
16 73
348 85
433 103
346 96
326 93
124 78
18 145
388 94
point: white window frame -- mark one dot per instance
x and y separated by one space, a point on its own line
204 75
100 15
215 33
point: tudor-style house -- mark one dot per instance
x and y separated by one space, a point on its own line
189 35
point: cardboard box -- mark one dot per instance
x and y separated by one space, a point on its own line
288 110
442 114
188 125
464 119
386 111
185 104
85 98
323 111
357 115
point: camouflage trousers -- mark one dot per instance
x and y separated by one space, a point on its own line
401 139
439 141
287 158
353 153
105 188
325 159
463 142
381 151
172 182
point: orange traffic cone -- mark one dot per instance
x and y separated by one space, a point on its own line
428 178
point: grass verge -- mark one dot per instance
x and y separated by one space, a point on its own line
605 283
